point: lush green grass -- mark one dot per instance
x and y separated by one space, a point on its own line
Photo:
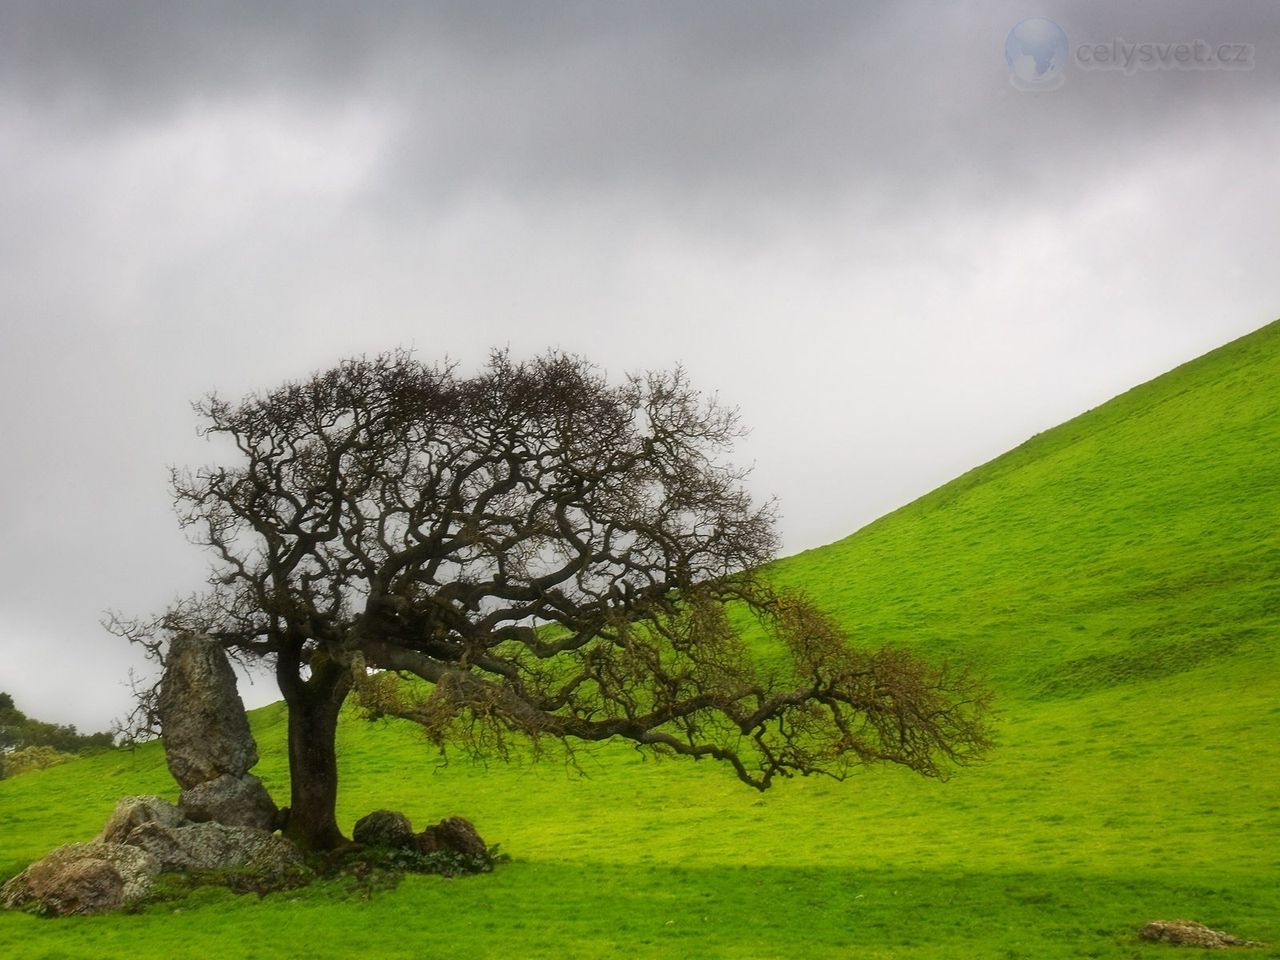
1119 579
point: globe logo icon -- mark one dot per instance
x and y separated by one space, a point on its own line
1036 51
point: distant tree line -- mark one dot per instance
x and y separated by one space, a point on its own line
30 744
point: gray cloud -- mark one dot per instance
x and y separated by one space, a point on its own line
785 98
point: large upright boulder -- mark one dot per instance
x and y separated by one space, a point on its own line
206 733
207 742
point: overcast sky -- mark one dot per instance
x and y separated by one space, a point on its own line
845 218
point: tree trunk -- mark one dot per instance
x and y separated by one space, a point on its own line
313 760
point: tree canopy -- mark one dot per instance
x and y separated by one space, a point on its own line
530 551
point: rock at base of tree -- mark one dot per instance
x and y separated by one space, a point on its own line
1189 933
83 886
213 846
453 834
385 828
205 730
82 878
133 812
232 801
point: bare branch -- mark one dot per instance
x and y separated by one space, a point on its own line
547 555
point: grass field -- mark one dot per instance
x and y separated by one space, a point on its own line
1117 577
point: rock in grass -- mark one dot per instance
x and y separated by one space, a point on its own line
205 730
385 828
454 834
82 886
214 846
82 878
1189 933
131 812
233 801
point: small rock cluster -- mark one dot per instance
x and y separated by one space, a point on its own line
223 819
1189 933
144 837
390 829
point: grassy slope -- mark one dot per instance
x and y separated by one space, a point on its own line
1118 577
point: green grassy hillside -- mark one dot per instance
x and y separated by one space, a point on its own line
1118 577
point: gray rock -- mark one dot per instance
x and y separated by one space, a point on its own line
454 834
384 828
232 801
213 846
83 878
1189 933
206 733
82 886
132 812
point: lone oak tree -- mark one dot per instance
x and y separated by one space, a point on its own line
535 551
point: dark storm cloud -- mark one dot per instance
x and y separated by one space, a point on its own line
668 99
145 57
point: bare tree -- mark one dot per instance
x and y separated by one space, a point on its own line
532 551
